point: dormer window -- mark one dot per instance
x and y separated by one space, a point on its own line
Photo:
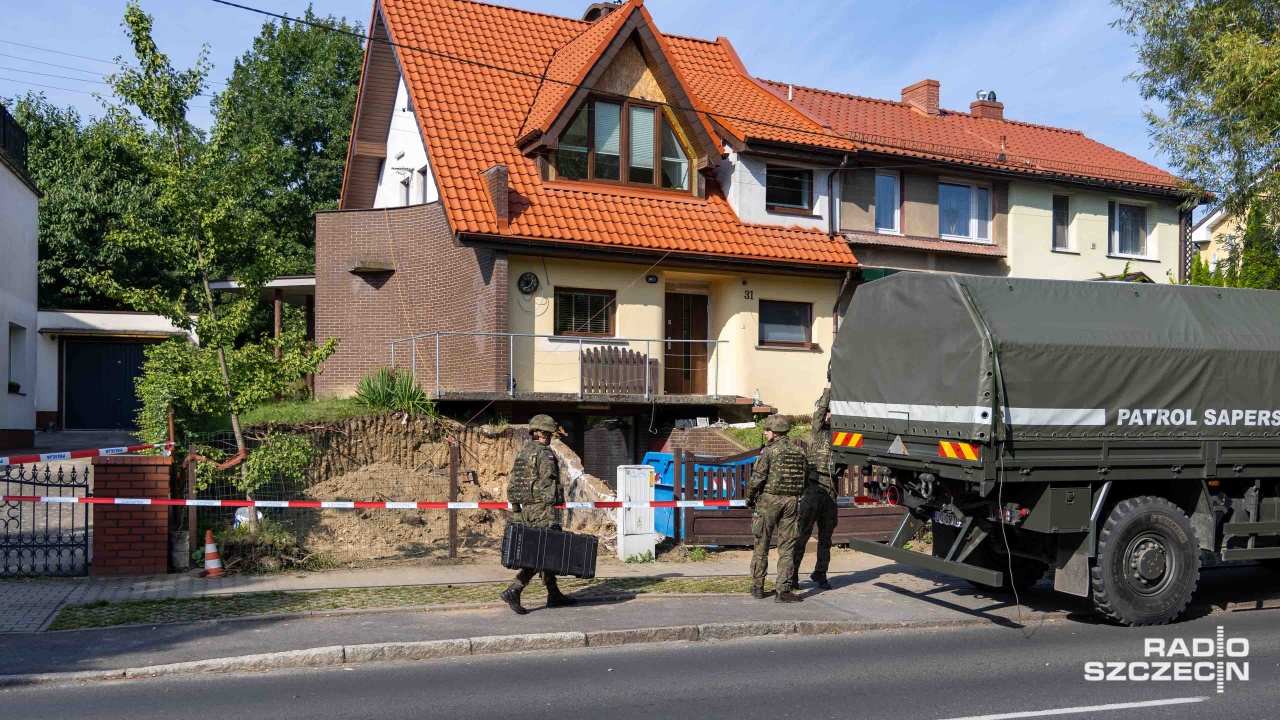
623 142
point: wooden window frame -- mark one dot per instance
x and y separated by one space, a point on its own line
789 209
660 120
612 311
808 344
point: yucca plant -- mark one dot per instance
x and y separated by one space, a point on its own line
392 389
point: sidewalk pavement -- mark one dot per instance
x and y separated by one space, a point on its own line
30 605
867 590
869 594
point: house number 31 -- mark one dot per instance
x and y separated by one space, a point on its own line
747 295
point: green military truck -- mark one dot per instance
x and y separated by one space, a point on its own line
1115 433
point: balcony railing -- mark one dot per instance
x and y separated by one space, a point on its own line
455 363
13 139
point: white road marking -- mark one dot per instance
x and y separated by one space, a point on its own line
1086 709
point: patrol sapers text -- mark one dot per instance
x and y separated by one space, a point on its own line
1185 417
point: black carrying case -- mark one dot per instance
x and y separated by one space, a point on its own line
555 551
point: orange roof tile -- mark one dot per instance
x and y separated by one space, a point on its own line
570 65
950 247
472 110
897 128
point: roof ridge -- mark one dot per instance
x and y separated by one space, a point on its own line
883 101
522 11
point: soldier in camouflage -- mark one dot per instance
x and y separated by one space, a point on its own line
818 503
773 492
534 490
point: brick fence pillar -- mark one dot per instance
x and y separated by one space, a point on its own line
131 539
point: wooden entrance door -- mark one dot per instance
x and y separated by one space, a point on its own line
685 363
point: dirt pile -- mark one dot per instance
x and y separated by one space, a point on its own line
398 458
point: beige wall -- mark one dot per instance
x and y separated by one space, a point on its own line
1031 251
789 380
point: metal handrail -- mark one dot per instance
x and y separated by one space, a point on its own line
581 341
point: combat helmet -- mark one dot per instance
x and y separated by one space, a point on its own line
778 424
543 423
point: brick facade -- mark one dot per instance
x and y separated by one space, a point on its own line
436 285
131 539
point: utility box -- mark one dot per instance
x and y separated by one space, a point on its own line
636 534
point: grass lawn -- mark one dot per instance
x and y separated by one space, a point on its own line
210 607
305 411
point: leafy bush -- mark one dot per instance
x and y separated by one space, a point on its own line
393 389
753 437
280 453
644 557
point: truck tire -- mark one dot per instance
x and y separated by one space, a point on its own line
1148 562
1026 572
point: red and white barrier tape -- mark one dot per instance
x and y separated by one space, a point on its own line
358 505
77 454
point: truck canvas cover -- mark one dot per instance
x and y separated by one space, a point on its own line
979 358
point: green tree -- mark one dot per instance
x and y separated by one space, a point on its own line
1214 67
215 230
1253 260
289 103
89 177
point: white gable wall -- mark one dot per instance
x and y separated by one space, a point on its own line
406 158
742 179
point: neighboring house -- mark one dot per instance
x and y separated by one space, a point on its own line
926 188
596 219
1213 235
89 360
19 207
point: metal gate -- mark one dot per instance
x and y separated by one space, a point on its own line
725 478
42 538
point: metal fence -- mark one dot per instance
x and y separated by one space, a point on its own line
44 539
457 362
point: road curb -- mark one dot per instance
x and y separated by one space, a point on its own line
486 645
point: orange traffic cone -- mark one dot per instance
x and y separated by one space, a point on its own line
212 563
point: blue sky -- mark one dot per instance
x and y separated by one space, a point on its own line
1056 63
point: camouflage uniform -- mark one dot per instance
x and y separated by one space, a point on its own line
534 489
818 503
776 483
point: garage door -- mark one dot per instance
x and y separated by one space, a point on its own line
98 391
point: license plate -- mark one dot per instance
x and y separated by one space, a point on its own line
946 518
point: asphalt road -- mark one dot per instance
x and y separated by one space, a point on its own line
988 672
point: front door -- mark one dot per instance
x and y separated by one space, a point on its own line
685 362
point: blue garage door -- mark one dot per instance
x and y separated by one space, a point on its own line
98 391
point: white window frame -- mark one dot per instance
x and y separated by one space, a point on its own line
972 237
1113 227
1070 238
897 201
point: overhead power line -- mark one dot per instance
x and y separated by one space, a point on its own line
1000 159
68 67
29 84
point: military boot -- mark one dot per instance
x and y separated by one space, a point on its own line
821 580
511 596
757 592
555 598
787 596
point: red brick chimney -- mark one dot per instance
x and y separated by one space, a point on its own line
986 106
923 96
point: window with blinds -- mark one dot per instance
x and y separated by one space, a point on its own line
627 142
584 312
